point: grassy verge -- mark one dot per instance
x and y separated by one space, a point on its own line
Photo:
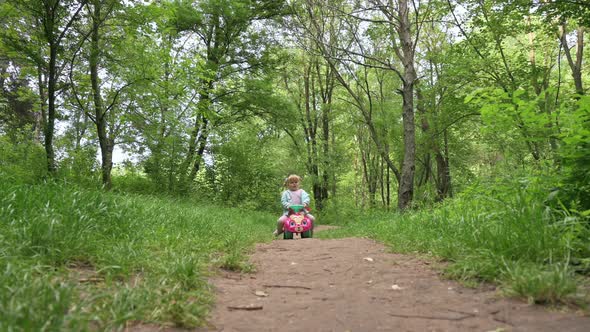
504 233
79 260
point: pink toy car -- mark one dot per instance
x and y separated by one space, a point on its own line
297 223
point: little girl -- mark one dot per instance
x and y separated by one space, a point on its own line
292 196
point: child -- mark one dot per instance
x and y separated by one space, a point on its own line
293 195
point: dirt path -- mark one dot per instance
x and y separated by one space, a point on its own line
356 285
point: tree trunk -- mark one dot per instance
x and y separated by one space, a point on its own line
449 182
388 187
406 185
310 127
442 180
325 181
198 138
202 144
40 119
575 66
326 91
50 19
542 88
50 121
106 144
425 176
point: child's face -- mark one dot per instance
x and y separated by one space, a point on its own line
294 185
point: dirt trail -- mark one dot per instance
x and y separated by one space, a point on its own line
357 285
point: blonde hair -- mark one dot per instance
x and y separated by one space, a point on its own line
292 178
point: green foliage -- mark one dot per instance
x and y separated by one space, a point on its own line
47 299
58 225
22 162
17 101
513 122
186 18
149 257
81 167
341 211
244 172
129 179
576 156
550 284
576 10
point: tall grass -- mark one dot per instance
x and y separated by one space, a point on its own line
77 259
501 232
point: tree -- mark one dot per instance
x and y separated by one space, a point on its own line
310 85
227 45
402 36
519 95
94 52
49 23
562 12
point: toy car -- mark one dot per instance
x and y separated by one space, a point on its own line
297 222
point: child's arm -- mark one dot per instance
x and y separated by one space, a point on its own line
305 198
285 200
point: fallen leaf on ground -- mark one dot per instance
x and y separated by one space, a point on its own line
396 287
368 259
261 293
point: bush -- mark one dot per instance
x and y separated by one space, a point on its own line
81 167
22 162
129 179
575 153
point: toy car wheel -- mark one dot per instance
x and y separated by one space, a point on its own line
288 235
306 234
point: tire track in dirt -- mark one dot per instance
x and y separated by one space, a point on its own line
355 284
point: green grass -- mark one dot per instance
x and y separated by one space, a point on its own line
149 256
503 233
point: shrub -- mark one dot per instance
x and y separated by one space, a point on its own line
22 162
